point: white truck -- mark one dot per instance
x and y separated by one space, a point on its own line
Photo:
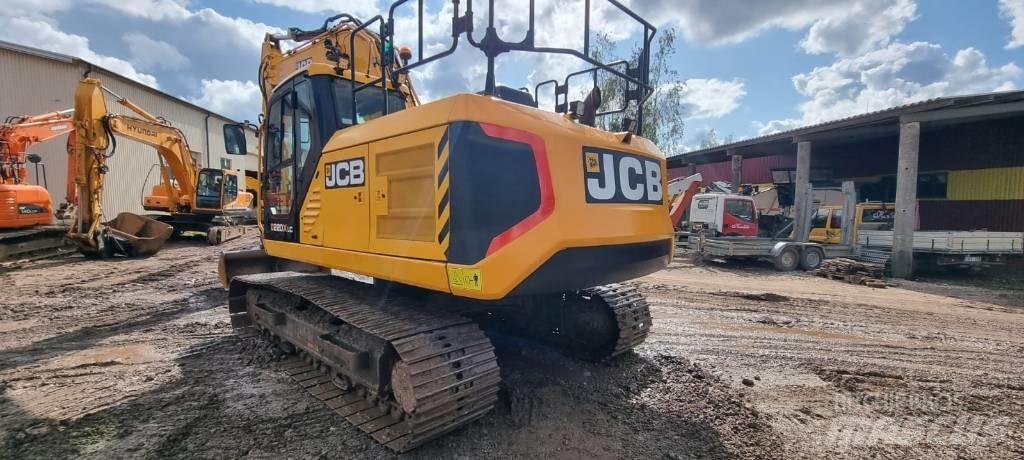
718 214
957 249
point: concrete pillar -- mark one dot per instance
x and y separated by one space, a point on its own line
691 169
849 212
737 172
906 201
802 207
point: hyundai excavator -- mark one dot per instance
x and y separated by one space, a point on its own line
471 212
26 210
195 199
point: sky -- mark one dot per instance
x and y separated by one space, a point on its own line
748 68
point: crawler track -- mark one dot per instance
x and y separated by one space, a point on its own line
443 371
632 316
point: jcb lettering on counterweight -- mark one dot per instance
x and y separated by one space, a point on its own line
618 177
345 173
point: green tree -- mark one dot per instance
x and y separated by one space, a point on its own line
663 111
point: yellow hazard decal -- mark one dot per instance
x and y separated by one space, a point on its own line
465 278
593 165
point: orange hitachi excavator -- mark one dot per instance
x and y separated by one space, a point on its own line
26 210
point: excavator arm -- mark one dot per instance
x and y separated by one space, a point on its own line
17 134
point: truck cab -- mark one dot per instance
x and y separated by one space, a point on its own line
718 214
827 224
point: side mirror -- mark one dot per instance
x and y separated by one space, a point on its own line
234 140
33 158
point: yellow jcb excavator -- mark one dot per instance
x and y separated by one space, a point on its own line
195 199
473 211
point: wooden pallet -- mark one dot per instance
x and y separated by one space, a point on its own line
853 272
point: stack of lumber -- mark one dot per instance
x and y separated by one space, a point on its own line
853 272
874 256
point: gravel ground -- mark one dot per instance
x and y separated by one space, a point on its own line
135 358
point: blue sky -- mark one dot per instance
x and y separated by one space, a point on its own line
748 68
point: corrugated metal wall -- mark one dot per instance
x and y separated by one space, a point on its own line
987 184
32 84
757 170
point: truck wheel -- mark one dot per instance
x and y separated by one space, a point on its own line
811 259
787 260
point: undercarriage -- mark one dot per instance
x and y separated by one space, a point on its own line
406 366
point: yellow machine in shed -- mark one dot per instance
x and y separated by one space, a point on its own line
473 211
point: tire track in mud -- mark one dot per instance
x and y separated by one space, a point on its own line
863 379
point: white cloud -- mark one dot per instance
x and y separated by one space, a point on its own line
39 33
777 126
361 10
1013 10
212 46
895 75
151 54
711 97
239 100
864 26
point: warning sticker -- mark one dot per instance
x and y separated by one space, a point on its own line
465 278
593 165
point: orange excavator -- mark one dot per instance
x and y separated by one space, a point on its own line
682 190
26 210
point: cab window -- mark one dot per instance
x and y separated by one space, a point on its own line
303 121
230 188
740 209
370 103
837 219
820 218
278 182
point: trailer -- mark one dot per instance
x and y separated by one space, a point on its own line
785 255
956 249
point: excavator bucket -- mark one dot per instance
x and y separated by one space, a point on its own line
255 261
135 236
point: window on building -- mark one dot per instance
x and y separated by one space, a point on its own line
225 163
932 185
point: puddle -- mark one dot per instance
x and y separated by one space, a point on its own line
107 355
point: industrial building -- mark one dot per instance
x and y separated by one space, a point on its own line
34 81
953 163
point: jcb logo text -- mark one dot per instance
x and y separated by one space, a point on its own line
345 173
618 177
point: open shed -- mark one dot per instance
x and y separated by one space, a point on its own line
952 163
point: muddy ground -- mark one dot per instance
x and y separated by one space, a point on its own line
136 359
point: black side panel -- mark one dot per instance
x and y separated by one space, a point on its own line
493 185
579 268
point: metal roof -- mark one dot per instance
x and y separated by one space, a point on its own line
71 60
923 109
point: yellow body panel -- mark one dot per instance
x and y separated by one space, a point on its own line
345 210
387 227
402 172
422 273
